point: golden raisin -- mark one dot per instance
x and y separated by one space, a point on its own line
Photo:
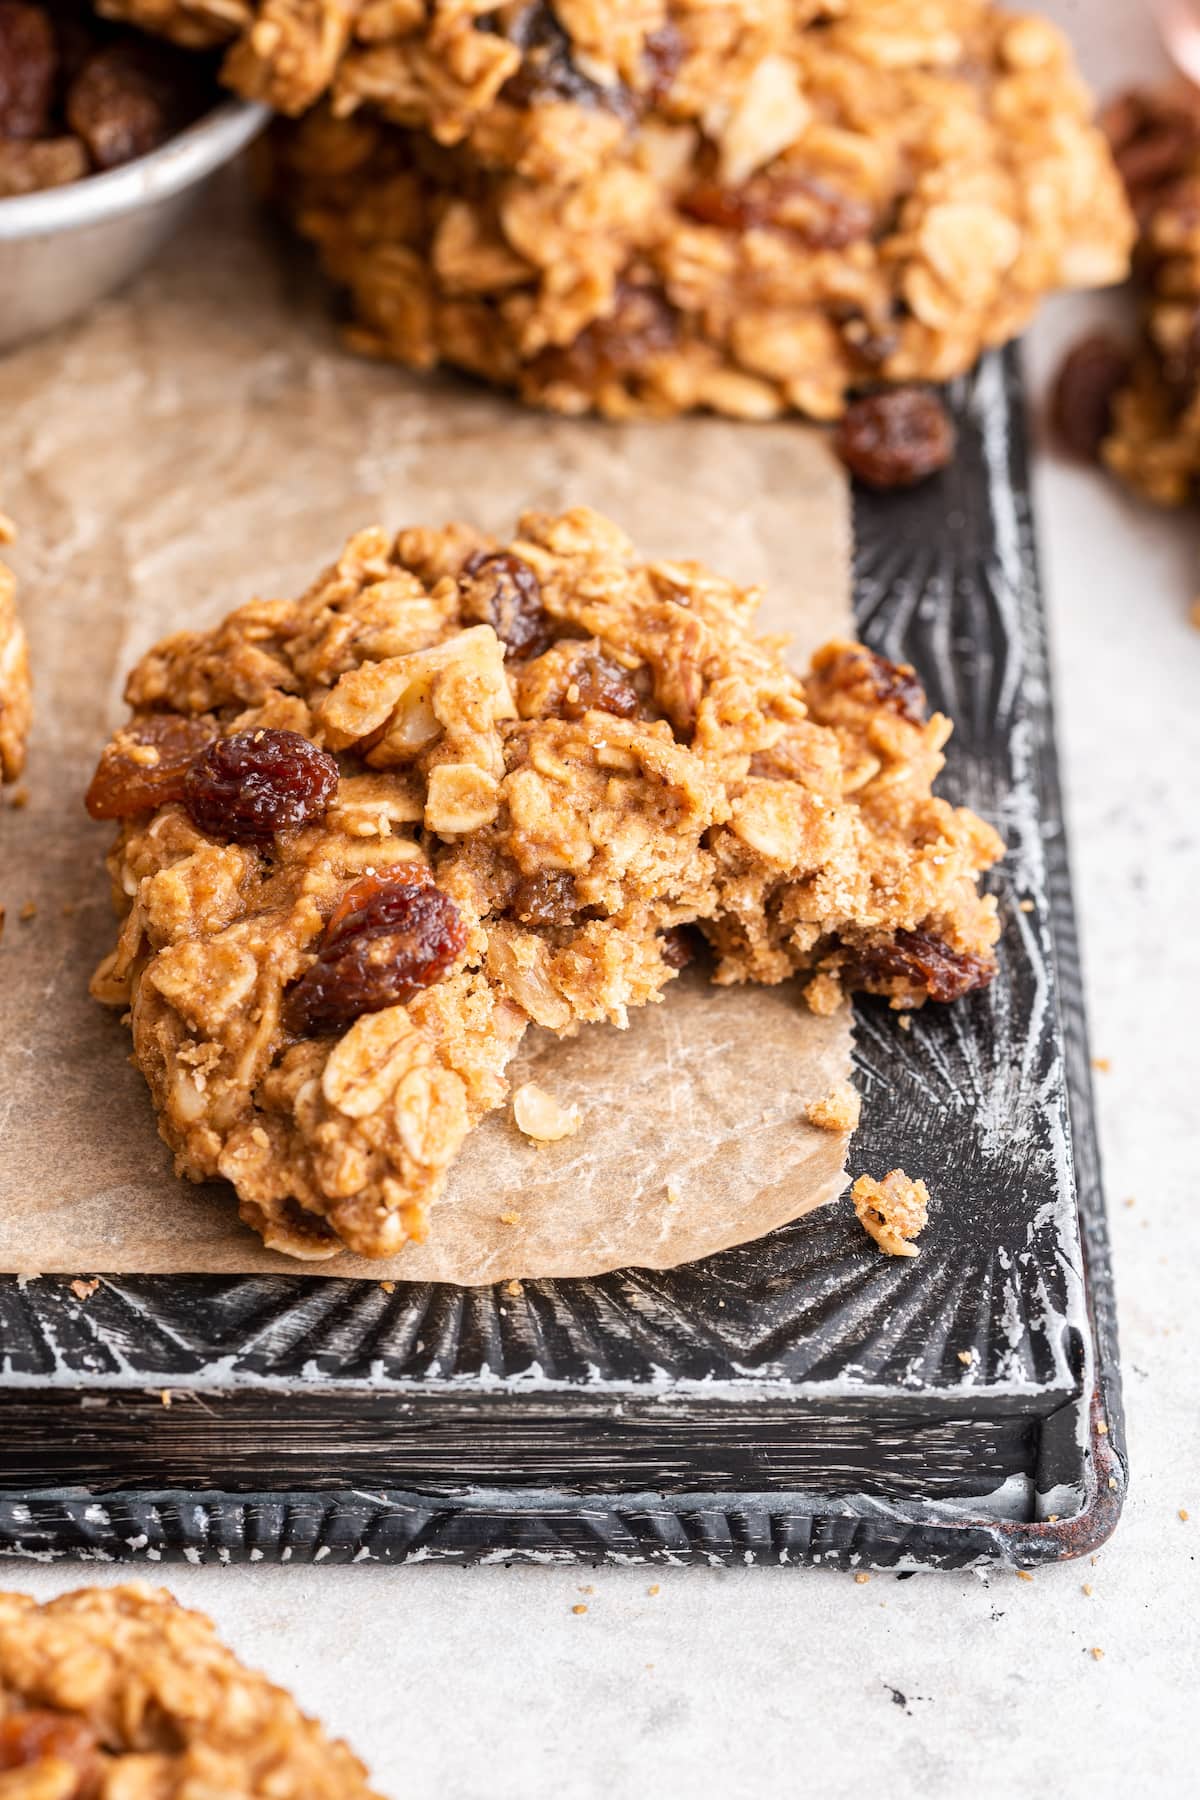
146 763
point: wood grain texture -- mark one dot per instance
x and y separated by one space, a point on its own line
798 1399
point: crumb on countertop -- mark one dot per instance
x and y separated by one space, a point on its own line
838 1111
892 1211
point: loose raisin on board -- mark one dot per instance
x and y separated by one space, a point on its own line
502 591
598 685
28 70
392 936
916 960
1088 382
146 764
547 898
121 104
40 1735
895 438
249 786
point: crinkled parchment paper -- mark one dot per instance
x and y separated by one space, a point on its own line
203 439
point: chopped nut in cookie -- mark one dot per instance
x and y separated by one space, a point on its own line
366 838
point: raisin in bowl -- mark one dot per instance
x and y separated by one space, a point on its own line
106 141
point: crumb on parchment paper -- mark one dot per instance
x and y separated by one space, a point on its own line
892 1211
839 1110
543 1117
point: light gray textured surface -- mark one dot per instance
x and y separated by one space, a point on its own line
757 1683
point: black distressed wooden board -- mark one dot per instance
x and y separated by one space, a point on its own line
800 1399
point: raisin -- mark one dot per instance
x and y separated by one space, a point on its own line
898 686
895 438
28 70
642 325
502 591
662 55
39 1735
598 685
29 166
121 104
819 213
548 70
392 936
1087 384
678 947
915 963
146 764
545 899
1153 139
249 786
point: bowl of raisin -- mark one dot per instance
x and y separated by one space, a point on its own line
106 140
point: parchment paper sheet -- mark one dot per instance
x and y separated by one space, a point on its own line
203 439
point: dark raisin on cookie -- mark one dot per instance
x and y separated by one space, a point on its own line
247 787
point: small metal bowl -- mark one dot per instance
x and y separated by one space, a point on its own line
63 249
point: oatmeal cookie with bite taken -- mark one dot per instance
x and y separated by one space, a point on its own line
368 836
120 1692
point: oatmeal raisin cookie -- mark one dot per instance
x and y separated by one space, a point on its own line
16 698
369 835
665 206
120 1692
1137 406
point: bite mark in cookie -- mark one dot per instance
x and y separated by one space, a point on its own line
331 960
